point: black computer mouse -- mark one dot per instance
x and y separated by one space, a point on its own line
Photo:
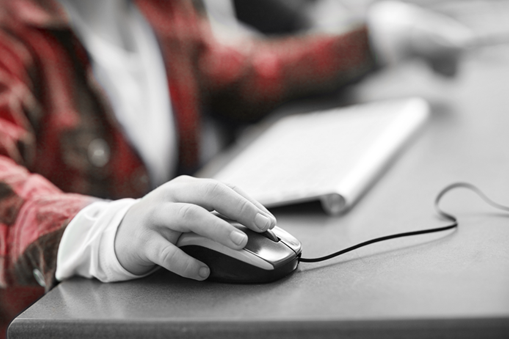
267 257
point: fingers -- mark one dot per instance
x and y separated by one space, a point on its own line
230 201
256 203
151 228
183 217
167 255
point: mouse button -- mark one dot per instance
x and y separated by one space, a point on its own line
273 252
270 235
190 240
288 239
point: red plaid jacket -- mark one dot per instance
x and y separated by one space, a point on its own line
55 119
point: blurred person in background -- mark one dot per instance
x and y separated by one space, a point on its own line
105 104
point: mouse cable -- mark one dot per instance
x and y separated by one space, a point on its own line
441 212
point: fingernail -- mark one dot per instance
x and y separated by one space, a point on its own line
262 222
238 237
273 222
204 272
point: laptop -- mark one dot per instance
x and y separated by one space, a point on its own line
332 155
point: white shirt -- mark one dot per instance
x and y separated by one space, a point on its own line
135 82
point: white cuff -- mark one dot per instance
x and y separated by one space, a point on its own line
87 246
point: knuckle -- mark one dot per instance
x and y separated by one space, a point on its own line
162 193
167 256
245 207
213 189
230 185
186 268
177 263
186 212
179 181
182 178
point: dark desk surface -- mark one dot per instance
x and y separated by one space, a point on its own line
449 284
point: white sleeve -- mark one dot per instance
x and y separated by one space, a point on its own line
87 245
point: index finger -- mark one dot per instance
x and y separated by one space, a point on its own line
214 195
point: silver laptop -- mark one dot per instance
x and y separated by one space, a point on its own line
332 156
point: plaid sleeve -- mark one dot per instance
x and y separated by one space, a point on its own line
246 77
33 216
258 75
33 212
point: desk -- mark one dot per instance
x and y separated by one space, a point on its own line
441 285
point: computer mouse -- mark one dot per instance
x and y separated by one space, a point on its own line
267 256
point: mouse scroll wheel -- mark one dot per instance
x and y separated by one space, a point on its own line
269 234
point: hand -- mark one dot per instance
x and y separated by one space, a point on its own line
150 229
400 31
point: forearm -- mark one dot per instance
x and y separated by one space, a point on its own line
244 83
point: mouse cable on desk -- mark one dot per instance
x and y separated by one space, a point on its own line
441 212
